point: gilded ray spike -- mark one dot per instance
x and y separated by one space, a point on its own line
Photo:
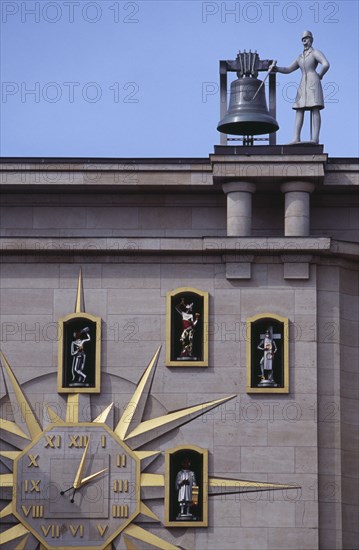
220 486
138 533
23 543
72 408
13 428
145 511
80 301
7 511
10 454
152 480
16 441
53 416
132 414
23 413
8 457
78 408
6 480
150 429
146 457
130 545
102 417
13 533
142 455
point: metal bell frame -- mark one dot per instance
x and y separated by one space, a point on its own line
253 67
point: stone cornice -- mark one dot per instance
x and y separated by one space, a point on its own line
239 246
175 175
268 169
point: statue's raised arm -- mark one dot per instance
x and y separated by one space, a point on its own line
310 92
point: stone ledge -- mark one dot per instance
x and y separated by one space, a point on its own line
299 149
290 248
208 245
182 175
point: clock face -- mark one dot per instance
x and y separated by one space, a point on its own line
77 486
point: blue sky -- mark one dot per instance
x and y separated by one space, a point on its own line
140 78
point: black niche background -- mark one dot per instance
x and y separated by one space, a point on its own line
257 328
176 325
69 328
197 467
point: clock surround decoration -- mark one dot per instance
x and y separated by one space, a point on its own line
61 462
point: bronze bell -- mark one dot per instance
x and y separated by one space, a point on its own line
247 113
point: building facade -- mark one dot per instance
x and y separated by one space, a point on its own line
265 233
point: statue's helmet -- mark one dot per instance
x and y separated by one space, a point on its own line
307 34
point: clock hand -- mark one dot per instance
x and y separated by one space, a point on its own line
79 473
63 492
91 477
81 468
82 482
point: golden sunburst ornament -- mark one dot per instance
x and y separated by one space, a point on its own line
79 483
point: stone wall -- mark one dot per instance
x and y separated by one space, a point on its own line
169 230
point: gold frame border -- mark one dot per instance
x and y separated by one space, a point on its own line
61 321
185 364
285 322
204 453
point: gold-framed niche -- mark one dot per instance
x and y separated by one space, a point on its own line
267 337
193 513
79 354
187 327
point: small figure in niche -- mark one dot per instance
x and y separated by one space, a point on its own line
79 356
185 484
188 325
269 348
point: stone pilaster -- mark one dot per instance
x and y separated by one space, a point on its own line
297 208
239 207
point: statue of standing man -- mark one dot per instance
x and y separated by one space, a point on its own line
310 92
185 481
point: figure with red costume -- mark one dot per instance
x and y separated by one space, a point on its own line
188 326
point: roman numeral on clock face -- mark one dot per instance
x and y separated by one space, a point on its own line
77 530
52 530
121 461
120 486
79 441
33 461
52 441
119 511
102 529
32 485
37 511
